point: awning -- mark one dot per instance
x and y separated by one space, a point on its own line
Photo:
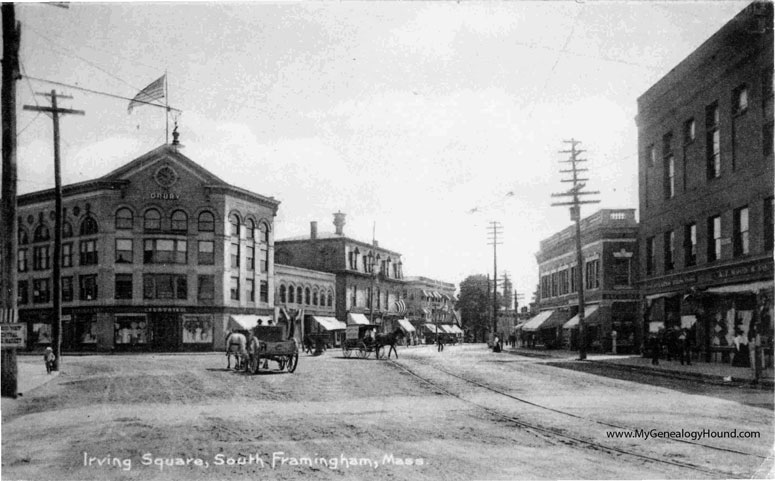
455 329
246 322
354 318
427 312
753 287
406 325
436 295
589 311
330 323
432 328
660 295
425 294
534 323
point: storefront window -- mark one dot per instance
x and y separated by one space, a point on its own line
130 330
86 331
41 333
197 329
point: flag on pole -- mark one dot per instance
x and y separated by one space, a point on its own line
155 91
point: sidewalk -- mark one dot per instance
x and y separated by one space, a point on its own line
31 374
697 371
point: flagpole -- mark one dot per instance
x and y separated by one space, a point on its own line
166 107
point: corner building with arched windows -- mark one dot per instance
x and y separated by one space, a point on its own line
156 255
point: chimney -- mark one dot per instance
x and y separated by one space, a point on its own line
313 230
339 223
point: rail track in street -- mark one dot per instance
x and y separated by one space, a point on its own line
557 433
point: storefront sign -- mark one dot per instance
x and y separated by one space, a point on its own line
165 196
13 336
736 273
164 309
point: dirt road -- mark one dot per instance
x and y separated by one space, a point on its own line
463 414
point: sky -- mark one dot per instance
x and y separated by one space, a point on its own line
425 121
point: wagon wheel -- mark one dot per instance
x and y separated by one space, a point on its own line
346 351
363 353
281 362
293 361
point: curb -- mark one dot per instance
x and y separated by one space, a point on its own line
693 376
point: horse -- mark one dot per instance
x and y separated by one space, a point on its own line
389 339
236 345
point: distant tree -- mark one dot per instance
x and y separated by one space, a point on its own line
475 305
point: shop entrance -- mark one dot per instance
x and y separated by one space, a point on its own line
165 332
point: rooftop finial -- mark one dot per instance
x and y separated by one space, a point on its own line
175 135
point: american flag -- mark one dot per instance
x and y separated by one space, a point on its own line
154 91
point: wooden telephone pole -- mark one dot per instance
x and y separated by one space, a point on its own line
56 325
8 218
495 229
575 214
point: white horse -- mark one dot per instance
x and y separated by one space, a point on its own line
236 345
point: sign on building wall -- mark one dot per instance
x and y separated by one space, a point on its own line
13 336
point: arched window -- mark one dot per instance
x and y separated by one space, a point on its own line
291 290
206 222
89 226
299 295
315 297
250 228
282 294
330 299
124 218
179 221
152 220
23 237
307 297
264 237
41 234
67 230
234 221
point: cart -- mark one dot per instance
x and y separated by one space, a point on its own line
357 341
269 344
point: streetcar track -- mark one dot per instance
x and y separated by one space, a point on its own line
557 433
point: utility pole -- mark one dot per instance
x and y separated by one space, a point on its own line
9 225
56 325
494 229
575 214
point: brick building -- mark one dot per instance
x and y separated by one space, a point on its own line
358 266
311 294
706 188
609 250
430 307
156 255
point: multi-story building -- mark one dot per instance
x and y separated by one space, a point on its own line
156 255
610 273
430 307
705 136
309 295
361 268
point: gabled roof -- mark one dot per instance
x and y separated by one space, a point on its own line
161 154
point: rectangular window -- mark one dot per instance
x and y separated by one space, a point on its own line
712 141
206 253
22 294
264 260
41 292
670 177
67 289
621 272
123 287
714 238
250 290
689 131
740 227
264 291
165 251
652 155
234 288
669 246
88 287
740 100
690 244
250 262
41 258
573 279
554 284
22 260
165 286
235 255
67 254
206 288
593 274
650 250
353 296
124 251
769 231
88 249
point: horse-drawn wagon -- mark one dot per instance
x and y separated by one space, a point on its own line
361 338
269 343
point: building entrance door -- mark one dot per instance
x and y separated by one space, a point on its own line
165 332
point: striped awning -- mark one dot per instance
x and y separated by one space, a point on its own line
589 311
406 325
400 306
8 316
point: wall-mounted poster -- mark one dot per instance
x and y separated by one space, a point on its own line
41 333
131 330
197 329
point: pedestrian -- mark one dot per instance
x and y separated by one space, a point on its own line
684 344
49 358
654 349
496 345
613 341
439 342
